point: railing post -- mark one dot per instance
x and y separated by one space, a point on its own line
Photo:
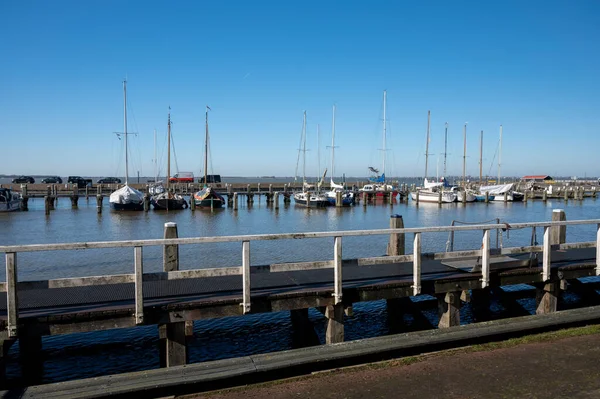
337 269
598 250
546 256
139 292
417 264
485 259
170 252
12 305
246 276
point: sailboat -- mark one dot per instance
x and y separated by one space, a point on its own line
378 185
464 194
126 198
347 196
497 192
207 197
168 200
431 190
308 198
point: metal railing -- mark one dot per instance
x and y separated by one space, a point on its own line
12 285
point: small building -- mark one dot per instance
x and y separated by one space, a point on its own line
537 178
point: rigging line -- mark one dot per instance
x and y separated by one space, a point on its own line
493 159
298 160
174 152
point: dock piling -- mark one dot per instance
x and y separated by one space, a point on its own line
338 199
170 252
146 202
235 201
558 234
396 244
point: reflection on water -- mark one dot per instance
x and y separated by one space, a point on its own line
100 353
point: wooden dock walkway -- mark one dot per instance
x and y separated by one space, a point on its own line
172 299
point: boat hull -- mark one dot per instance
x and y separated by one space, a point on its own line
9 201
311 200
347 198
427 196
170 204
207 198
131 206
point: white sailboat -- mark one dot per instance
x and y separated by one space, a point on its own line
498 192
347 196
306 197
463 191
126 198
378 186
431 190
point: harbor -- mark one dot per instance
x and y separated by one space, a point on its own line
370 291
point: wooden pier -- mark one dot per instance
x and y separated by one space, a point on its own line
174 298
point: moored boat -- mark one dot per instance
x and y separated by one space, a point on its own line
207 197
126 198
9 200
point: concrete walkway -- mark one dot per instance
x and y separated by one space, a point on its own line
562 368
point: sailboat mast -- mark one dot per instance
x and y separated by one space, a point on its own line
427 142
318 150
499 154
304 151
169 150
445 146
125 129
206 148
155 160
384 130
481 158
333 142
464 183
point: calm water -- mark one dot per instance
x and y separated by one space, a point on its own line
100 353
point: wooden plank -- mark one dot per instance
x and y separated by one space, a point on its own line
76 282
337 270
285 236
246 276
293 266
417 264
196 273
546 256
485 259
11 294
139 291
384 260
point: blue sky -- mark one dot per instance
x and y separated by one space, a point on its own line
531 66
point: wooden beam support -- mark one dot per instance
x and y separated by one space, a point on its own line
449 309
547 297
173 344
335 324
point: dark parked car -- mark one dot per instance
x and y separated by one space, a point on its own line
24 179
80 181
109 180
52 179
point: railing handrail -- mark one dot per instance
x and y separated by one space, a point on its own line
284 236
